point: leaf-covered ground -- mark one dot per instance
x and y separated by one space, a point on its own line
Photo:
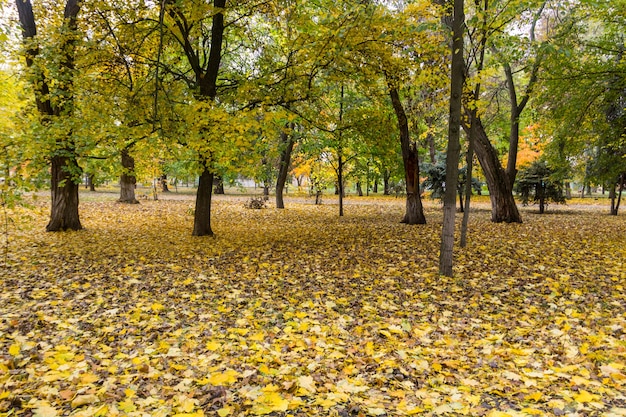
299 312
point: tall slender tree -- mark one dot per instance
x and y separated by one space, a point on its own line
446 255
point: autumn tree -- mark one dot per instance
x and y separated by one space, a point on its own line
494 36
51 76
119 97
396 47
201 48
583 96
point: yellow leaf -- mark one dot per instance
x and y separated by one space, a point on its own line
127 405
224 411
81 400
186 404
224 378
14 349
494 413
270 402
257 337
45 410
579 380
89 378
307 383
535 396
212 345
584 397
532 412
157 307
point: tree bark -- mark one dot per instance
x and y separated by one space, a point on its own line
218 183
616 196
202 214
287 143
163 183
90 182
386 184
127 179
359 189
64 188
503 207
64 192
414 213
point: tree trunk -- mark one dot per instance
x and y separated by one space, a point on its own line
503 207
621 191
469 159
128 180
202 214
616 196
430 140
568 190
454 146
287 142
90 182
340 183
64 193
163 184
414 211
375 187
386 184
218 182
359 189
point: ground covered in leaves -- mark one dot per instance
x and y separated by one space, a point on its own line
300 312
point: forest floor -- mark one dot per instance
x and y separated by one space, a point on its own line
300 312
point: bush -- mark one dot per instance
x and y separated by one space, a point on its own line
537 183
256 203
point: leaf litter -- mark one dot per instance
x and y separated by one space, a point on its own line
299 312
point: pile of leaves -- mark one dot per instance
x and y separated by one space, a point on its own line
298 312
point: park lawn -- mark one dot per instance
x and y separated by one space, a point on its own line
300 312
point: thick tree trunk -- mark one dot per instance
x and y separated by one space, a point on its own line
287 143
202 214
128 179
503 207
64 192
414 210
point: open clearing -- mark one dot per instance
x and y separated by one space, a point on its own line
299 312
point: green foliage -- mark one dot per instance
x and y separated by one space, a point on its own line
436 178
